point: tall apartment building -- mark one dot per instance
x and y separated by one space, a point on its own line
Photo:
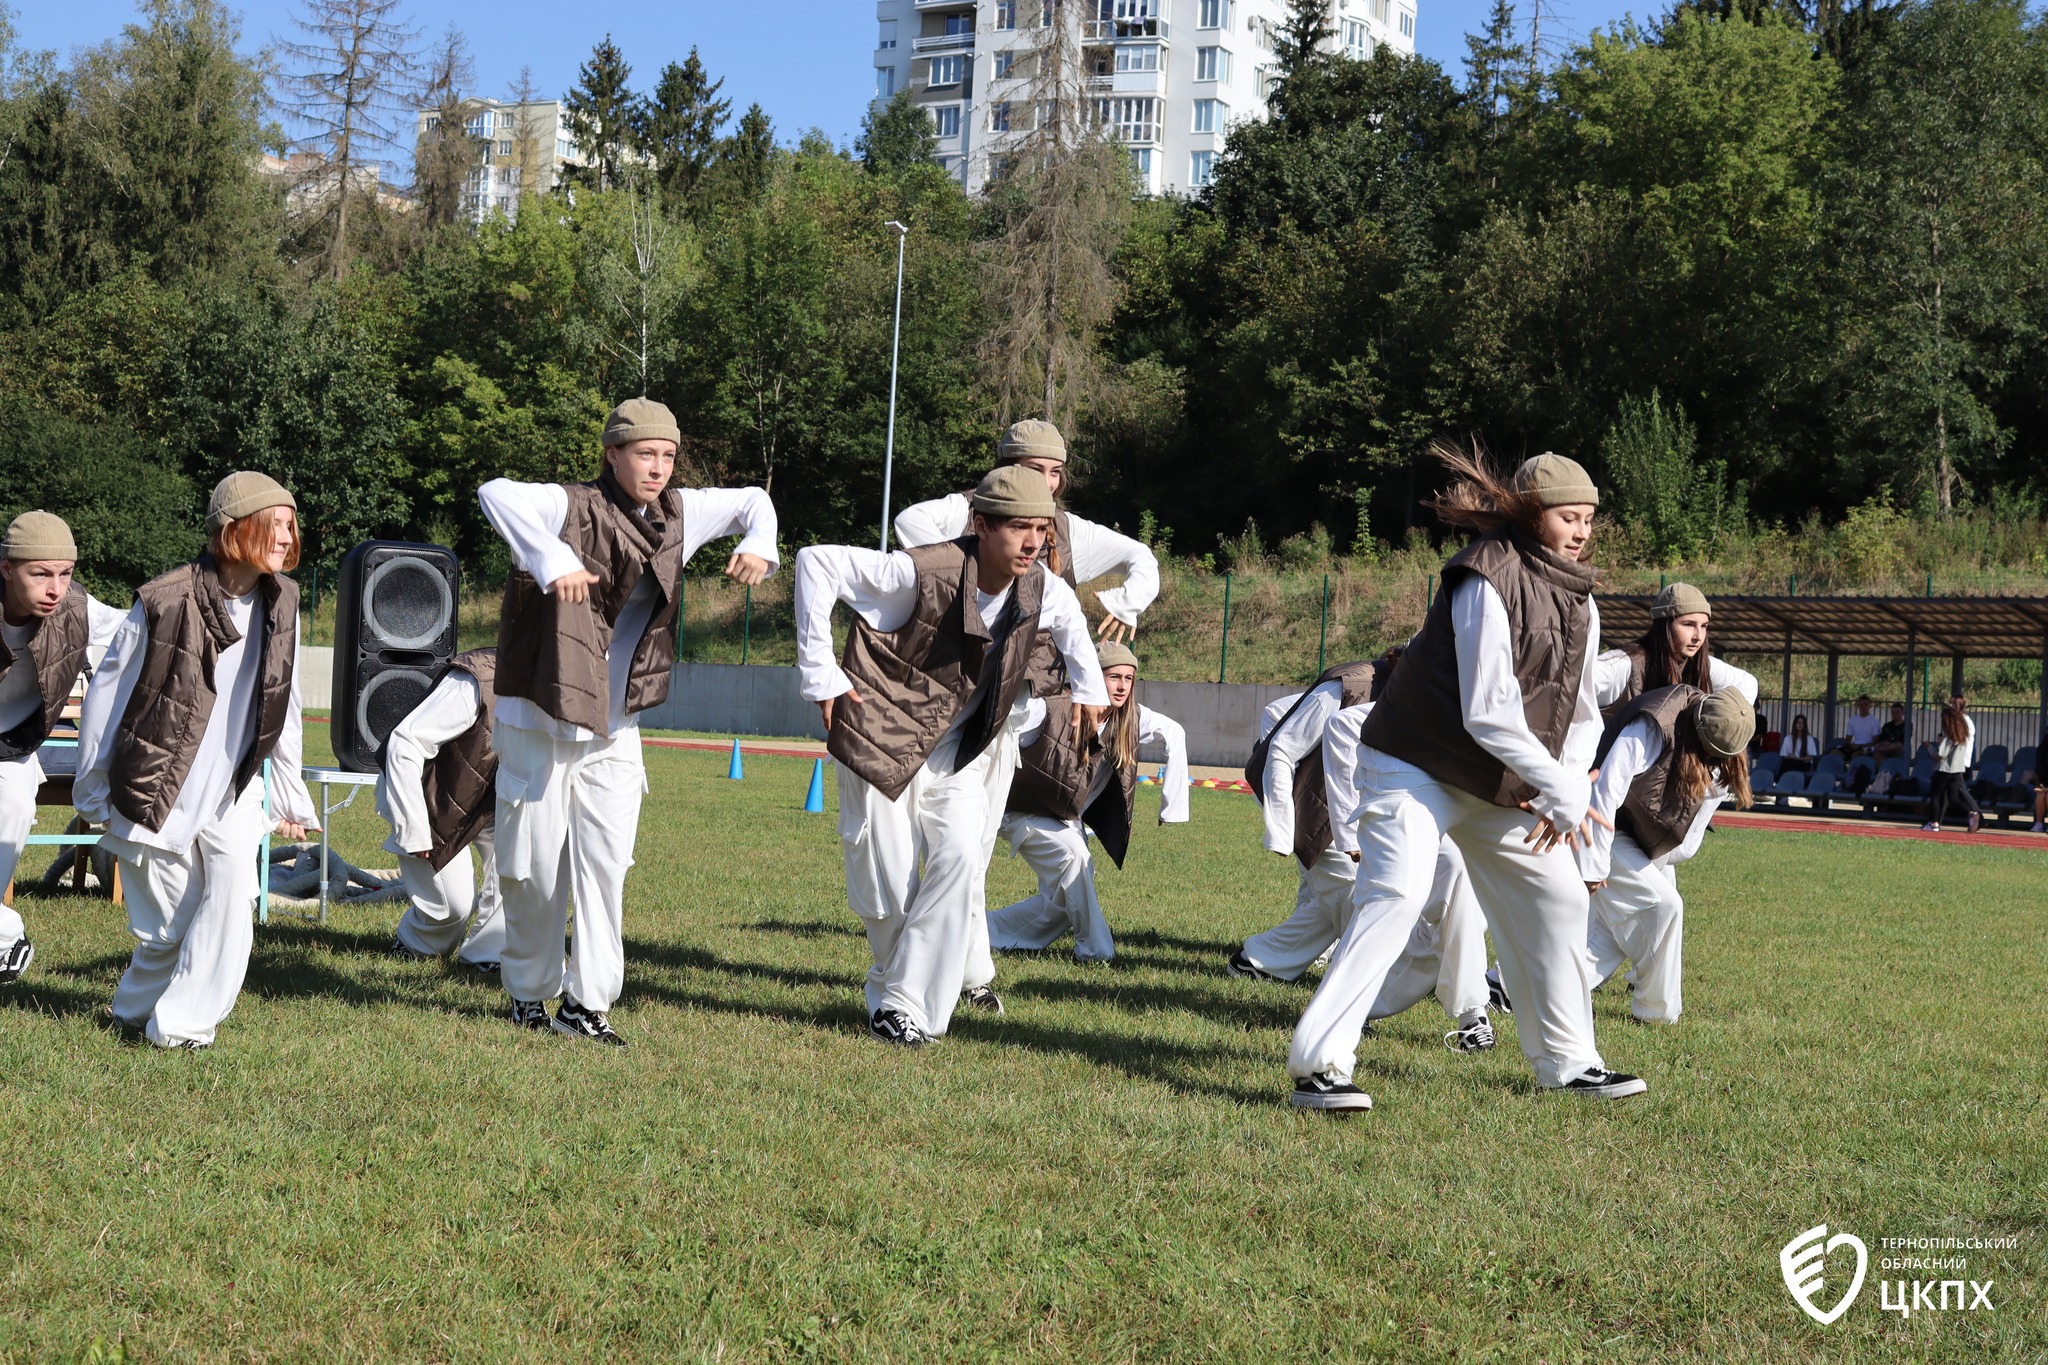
524 146
1167 76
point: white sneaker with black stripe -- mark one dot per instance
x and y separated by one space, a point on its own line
1476 1036
1602 1084
589 1025
15 960
1243 967
1497 994
984 999
894 1028
1326 1094
530 1014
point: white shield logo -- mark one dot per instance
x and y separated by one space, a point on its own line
1803 1260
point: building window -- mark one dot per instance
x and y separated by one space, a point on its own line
1214 14
1130 120
1407 24
1262 81
1201 169
1141 157
432 121
1138 57
1262 33
885 82
1379 11
1209 115
958 24
947 71
947 117
999 117
1006 14
565 149
1212 64
1357 41
478 126
888 38
504 149
1003 61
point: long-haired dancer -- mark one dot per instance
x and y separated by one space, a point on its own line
1061 792
1485 734
1667 762
1677 648
198 688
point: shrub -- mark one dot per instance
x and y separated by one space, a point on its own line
1675 506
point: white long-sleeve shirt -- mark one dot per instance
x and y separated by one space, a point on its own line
1293 741
882 590
530 517
1611 672
208 791
1153 728
1491 700
21 691
1342 743
1956 758
1639 745
444 716
1096 551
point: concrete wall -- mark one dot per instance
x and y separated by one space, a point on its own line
1222 719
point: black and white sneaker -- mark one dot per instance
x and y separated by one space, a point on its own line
487 968
1497 994
19 954
982 998
591 1025
1242 966
531 1014
405 952
1473 1037
894 1028
1601 1084
1327 1094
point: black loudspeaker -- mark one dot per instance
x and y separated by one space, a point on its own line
394 634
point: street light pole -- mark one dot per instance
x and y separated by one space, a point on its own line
895 345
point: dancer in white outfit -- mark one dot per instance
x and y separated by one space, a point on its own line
50 628
1060 794
922 713
1485 734
1668 760
439 793
586 642
197 690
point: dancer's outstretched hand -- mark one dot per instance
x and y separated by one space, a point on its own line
1113 629
746 569
826 706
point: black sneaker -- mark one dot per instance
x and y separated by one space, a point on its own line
1325 1092
1242 966
1601 1084
189 1045
894 1028
531 1014
405 952
487 968
591 1025
19 954
1473 1037
982 998
1497 994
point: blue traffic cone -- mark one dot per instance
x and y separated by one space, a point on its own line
814 800
738 770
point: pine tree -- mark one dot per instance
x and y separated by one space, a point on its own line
744 158
896 136
602 114
681 128
447 153
1304 38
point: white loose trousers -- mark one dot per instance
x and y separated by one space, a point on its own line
1640 916
20 779
913 866
453 902
568 814
1057 850
1446 954
193 915
1534 902
1322 907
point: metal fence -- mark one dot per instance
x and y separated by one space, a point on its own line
2012 726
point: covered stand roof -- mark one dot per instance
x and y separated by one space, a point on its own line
1971 627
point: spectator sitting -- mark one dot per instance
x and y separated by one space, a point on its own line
1863 729
1799 750
1892 740
1957 751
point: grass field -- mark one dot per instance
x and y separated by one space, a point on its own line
372 1165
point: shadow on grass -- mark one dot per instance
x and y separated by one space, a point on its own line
803 928
39 994
1279 1011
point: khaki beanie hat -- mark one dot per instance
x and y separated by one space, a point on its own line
641 419
1013 490
38 535
1556 481
1725 721
1679 599
245 493
1111 654
1032 439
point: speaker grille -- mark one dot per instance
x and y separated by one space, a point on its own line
389 698
407 604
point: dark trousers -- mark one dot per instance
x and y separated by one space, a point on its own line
1950 789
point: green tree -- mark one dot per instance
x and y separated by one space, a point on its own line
1670 504
132 517
896 136
746 158
603 113
681 128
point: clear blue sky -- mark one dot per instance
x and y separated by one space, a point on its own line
806 63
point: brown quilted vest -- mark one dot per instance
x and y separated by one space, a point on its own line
1053 777
184 616
552 653
913 680
461 782
1311 797
1046 675
1655 813
56 651
1421 717
1638 676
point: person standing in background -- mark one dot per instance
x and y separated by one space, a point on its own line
1953 757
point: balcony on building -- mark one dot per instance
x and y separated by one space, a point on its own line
944 42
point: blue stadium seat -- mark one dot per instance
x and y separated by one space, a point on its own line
1766 768
1994 753
2024 762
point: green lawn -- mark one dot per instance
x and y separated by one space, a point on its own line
372 1165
